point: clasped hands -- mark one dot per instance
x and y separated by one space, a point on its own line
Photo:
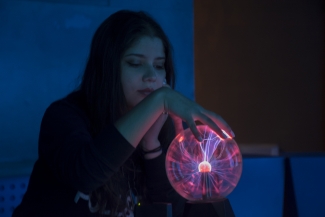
182 109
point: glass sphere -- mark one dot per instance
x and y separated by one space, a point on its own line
203 171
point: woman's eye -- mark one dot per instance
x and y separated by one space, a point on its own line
159 66
133 64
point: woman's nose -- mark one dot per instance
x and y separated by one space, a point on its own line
150 74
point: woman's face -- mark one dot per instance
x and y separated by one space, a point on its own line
142 69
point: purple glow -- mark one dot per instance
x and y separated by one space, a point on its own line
203 171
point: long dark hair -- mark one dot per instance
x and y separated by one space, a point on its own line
102 89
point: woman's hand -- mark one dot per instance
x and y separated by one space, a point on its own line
188 111
150 139
178 123
144 121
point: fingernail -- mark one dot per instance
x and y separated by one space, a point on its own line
225 135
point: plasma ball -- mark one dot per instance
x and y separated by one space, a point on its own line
203 171
204 167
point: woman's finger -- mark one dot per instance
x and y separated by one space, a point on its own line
208 121
191 124
220 122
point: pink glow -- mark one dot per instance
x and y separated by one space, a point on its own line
204 167
203 171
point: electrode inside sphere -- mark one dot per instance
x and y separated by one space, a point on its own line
203 171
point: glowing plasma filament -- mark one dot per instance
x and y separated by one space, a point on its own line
203 171
204 167
181 139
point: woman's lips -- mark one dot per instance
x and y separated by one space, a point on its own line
146 91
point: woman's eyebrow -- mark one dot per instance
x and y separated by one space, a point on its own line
135 54
143 56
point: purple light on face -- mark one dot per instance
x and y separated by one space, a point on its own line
203 171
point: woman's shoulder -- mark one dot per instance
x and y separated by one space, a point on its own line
72 100
72 104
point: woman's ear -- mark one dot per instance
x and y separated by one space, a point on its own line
164 82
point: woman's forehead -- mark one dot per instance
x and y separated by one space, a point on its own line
146 46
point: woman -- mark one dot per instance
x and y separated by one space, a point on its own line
101 148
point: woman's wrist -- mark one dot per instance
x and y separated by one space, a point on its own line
159 148
135 123
151 148
152 155
149 144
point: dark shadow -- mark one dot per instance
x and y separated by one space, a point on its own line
289 203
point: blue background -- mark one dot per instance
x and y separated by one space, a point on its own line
43 51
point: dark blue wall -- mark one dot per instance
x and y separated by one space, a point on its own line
43 49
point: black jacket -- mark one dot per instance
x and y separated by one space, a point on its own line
72 160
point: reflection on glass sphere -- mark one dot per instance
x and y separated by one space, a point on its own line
203 171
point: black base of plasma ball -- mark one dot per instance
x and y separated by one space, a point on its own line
156 210
220 208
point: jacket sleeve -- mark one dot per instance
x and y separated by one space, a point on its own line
74 156
159 187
